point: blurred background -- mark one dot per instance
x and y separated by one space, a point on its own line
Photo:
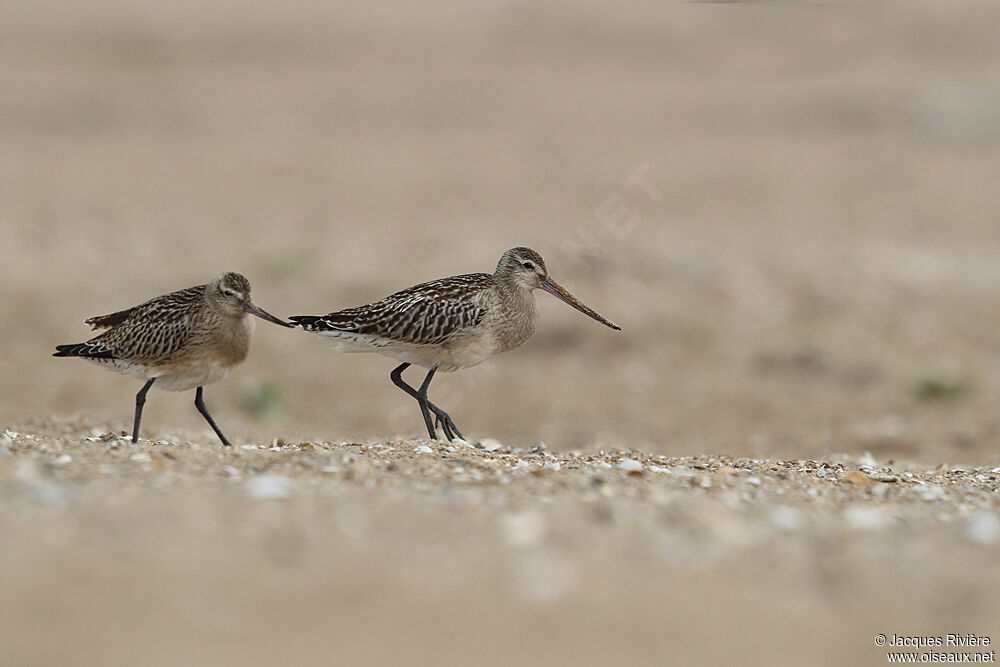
791 210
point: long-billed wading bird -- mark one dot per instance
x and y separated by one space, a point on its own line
448 324
182 340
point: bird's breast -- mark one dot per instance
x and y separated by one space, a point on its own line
232 345
514 324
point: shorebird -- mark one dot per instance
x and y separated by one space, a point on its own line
182 340
448 324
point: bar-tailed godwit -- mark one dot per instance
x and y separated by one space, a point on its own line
182 340
448 324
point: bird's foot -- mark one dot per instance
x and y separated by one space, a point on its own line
443 420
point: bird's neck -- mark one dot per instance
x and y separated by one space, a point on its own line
518 315
234 338
516 297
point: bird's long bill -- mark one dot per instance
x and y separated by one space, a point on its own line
556 290
263 314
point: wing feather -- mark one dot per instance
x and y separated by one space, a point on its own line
108 321
149 333
426 314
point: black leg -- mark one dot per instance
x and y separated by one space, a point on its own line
199 403
441 417
425 407
140 400
397 379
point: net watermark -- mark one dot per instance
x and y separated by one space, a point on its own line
614 220
949 648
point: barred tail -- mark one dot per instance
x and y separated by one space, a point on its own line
309 322
87 350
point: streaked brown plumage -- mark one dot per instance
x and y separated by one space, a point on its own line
182 340
448 324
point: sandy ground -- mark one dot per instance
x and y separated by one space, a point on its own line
418 552
791 209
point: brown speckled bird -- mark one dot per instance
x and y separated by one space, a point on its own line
182 340
448 324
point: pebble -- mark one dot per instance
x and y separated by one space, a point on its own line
543 576
932 493
864 518
867 460
141 457
489 445
859 479
423 449
984 527
524 529
27 471
64 459
630 465
269 487
786 518
47 494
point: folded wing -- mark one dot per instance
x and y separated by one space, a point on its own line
428 314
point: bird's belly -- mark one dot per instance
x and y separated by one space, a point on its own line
468 351
173 377
184 378
465 351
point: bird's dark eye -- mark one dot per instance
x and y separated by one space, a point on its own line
228 292
528 265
